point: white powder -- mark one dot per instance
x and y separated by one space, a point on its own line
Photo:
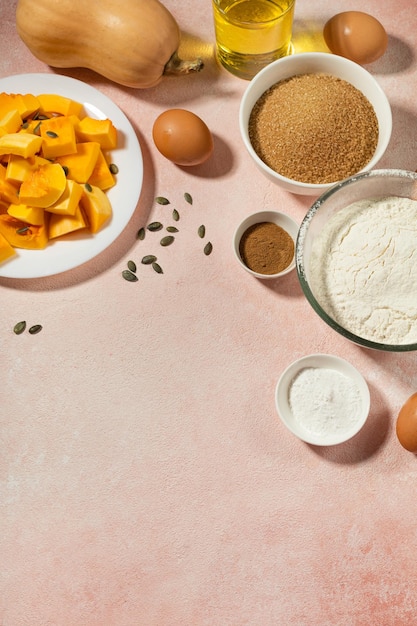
324 401
363 269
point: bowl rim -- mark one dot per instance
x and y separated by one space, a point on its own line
297 58
328 361
262 216
300 266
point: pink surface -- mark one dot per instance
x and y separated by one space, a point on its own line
146 479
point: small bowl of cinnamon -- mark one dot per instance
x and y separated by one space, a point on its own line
264 244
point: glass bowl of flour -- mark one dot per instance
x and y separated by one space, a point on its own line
356 259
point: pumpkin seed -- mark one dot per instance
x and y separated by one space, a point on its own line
23 230
188 198
148 259
153 226
130 276
175 215
36 130
132 266
88 187
113 168
35 329
51 133
42 117
167 241
172 229
141 233
19 327
25 125
201 231
161 200
157 268
66 170
208 248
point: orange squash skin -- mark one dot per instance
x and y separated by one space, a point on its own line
130 42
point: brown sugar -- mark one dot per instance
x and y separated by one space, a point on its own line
266 248
314 128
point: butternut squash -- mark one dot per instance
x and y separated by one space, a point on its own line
130 42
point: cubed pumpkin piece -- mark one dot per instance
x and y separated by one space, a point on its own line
58 137
29 214
60 225
30 105
96 206
22 235
53 103
68 202
6 250
26 104
9 192
43 186
18 168
31 127
22 144
81 164
102 176
102 131
11 122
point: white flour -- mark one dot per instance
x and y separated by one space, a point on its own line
324 401
363 269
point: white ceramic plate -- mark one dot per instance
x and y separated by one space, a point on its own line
71 252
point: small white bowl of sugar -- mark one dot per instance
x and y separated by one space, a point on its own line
322 399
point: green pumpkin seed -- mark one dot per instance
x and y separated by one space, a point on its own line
188 198
88 187
51 134
25 125
153 226
157 268
36 130
34 330
172 229
161 200
149 259
23 230
129 276
208 248
113 168
19 328
141 234
132 266
201 231
175 215
167 241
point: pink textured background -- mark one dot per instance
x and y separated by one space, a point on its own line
146 479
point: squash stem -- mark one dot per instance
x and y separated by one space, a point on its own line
177 66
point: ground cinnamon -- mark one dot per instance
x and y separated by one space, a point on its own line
266 248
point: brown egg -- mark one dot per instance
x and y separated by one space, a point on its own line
182 137
355 35
406 427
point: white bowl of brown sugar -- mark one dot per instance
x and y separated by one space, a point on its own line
312 119
264 244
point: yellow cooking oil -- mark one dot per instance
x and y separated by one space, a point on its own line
252 33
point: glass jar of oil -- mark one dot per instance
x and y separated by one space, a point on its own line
252 33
